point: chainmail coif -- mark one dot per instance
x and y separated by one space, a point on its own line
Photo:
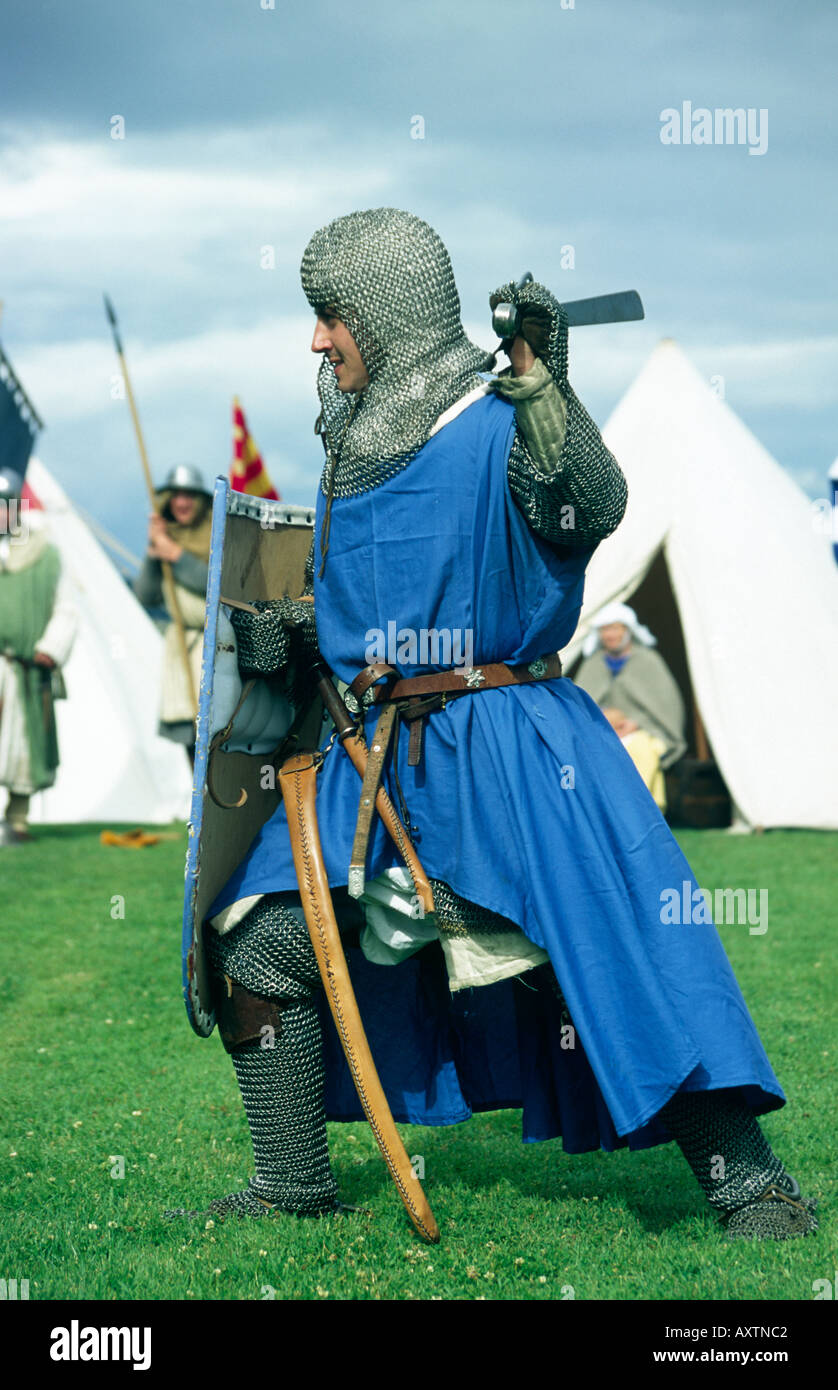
387 276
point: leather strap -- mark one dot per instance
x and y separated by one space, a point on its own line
467 680
352 742
369 791
217 740
241 1015
369 676
403 698
461 679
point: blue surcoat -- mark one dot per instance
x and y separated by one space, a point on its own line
527 804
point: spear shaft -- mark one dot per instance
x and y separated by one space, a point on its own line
165 566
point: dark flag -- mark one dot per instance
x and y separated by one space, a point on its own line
19 423
833 487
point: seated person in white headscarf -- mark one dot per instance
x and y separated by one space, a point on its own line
636 692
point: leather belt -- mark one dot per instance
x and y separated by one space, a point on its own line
25 661
411 699
462 680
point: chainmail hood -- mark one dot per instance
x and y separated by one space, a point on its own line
387 276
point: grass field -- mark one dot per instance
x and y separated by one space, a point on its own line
99 1064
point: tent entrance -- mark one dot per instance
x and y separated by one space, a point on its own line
696 792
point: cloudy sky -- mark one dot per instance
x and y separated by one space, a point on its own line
246 127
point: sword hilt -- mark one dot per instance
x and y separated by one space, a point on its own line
335 707
506 318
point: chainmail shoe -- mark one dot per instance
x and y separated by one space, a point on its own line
736 1168
270 952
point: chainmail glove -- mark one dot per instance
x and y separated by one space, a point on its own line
282 637
282 630
263 641
543 324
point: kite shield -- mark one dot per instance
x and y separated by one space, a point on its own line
258 551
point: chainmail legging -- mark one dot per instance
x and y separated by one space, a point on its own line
724 1146
270 952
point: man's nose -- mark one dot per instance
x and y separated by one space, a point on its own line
321 342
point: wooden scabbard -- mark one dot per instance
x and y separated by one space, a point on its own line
298 777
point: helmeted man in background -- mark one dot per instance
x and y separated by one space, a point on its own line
37 628
180 534
452 500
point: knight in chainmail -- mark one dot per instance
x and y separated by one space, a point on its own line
385 278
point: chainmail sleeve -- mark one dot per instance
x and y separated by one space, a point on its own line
566 482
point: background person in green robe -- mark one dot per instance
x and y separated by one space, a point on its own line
636 691
37 628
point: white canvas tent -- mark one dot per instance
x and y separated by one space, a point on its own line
114 767
720 554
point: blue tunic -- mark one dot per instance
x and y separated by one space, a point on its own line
526 803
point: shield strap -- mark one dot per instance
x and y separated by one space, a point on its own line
298 777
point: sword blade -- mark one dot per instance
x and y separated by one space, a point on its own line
621 307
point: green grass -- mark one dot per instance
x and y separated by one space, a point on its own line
98 1060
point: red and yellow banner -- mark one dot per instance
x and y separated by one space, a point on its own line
247 471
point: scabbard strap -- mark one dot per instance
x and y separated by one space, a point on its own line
369 790
411 699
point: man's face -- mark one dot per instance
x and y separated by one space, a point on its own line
614 636
182 507
333 337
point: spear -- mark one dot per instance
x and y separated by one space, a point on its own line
165 566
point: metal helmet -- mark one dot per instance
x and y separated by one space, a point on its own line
185 477
11 483
388 277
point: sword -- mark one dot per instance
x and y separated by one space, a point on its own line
622 307
298 776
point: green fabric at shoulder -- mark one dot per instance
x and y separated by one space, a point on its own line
541 410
